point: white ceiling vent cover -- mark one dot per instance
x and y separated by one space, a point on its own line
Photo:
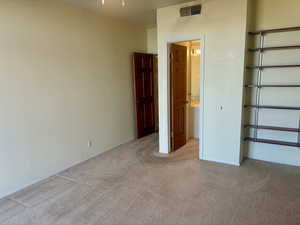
191 10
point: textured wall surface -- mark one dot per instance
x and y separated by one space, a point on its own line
65 79
222 26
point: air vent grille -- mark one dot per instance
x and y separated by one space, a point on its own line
190 11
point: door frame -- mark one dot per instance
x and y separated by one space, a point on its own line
202 93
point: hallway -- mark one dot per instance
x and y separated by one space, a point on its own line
133 184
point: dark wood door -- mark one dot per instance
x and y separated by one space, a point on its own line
178 95
144 94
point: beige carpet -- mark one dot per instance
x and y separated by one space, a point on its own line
134 185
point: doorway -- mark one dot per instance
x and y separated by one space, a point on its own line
185 72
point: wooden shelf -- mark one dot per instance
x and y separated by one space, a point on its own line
272 66
273 142
272 107
260 127
279 30
274 48
273 86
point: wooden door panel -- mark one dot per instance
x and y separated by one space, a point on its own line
178 95
144 94
179 126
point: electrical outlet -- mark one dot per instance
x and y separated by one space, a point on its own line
90 144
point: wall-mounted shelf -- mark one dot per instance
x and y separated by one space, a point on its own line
273 142
260 127
272 107
279 30
258 85
272 67
274 48
273 86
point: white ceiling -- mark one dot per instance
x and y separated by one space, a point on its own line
136 11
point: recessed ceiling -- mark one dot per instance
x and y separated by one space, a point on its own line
136 11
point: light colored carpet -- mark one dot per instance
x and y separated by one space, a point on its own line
134 185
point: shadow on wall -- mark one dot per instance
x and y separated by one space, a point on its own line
252 14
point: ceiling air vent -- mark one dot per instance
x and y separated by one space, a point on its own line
190 11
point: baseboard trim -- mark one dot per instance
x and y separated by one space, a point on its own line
222 162
68 167
273 161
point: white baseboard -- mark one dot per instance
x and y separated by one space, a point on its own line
273 161
223 162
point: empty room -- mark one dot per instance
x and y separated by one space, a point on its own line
149 112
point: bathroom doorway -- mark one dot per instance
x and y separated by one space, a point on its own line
185 73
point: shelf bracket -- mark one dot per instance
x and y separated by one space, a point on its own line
258 83
298 139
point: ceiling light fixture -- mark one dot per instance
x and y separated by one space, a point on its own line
103 2
196 52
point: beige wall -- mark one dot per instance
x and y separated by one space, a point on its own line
152 40
65 79
268 14
222 27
